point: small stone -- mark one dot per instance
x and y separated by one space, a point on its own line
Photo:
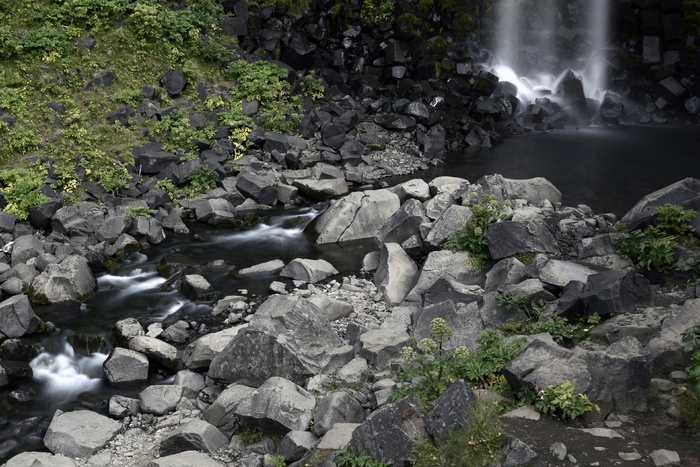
629 456
602 432
665 457
558 450
613 424
678 376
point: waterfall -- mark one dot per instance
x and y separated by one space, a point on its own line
537 45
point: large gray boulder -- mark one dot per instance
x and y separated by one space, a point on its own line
196 435
615 378
337 407
356 216
464 320
112 227
390 433
685 193
222 412
71 280
396 273
198 355
125 366
17 317
287 337
614 292
454 266
24 248
450 222
382 346
322 190
533 190
79 433
559 273
451 411
80 219
511 238
162 399
278 405
216 211
262 189
308 270
157 350
403 224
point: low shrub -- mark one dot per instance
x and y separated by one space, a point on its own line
349 458
21 190
561 401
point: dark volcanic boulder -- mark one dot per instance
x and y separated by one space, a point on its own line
511 238
390 434
78 219
685 193
71 280
451 411
17 317
174 82
287 337
258 188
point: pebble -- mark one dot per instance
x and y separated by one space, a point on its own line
629 456
558 450
665 457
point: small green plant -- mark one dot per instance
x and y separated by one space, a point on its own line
251 435
312 86
279 461
139 211
349 458
179 135
429 371
561 400
114 176
653 248
375 11
479 444
21 190
471 238
200 180
128 96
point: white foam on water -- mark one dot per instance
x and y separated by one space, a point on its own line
137 281
66 375
278 228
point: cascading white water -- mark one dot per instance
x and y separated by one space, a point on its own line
537 44
66 375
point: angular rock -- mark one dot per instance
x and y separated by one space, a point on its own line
403 224
216 211
322 190
380 346
26 247
511 238
336 407
356 216
17 317
260 189
308 270
685 193
80 219
162 399
161 352
196 287
533 190
199 354
390 433
396 274
453 266
80 433
464 320
71 280
287 337
39 459
174 82
268 268
125 366
196 435
451 411
614 292
278 405
451 221
121 407
296 444
222 412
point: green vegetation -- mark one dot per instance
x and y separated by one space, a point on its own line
534 320
653 248
251 435
349 458
430 371
21 190
471 238
279 461
561 400
479 444
139 211
179 136
375 11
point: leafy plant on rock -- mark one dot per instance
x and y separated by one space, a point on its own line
689 401
349 458
561 400
429 371
139 211
653 248
478 444
471 238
